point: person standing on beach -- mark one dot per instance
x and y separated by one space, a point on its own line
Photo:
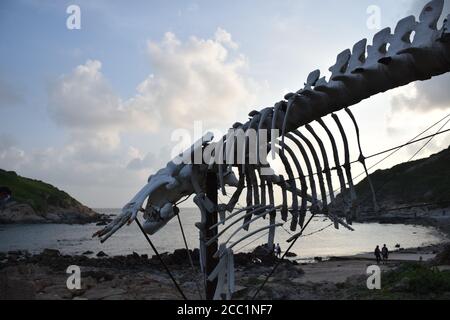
385 253
378 254
278 250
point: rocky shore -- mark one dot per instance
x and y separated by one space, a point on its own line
15 212
438 218
25 200
43 276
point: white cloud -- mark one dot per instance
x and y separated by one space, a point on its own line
196 80
140 163
191 81
222 36
84 100
424 96
199 79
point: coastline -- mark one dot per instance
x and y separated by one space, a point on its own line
43 276
437 218
22 213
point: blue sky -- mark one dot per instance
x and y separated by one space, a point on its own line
62 91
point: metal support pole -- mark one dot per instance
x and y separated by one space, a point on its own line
211 219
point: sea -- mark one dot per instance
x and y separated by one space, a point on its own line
320 238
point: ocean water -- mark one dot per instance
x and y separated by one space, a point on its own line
76 239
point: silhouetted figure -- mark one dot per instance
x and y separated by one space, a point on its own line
385 253
278 250
378 254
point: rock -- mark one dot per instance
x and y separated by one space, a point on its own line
18 253
328 287
15 253
16 289
58 290
99 276
54 205
443 258
285 274
102 293
19 213
101 254
180 256
88 282
88 252
51 253
262 251
290 255
101 223
318 259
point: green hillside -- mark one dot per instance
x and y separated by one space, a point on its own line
422 181
37 194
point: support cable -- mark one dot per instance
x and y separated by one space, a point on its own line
188 253
161 260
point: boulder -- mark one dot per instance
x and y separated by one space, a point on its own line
101 254
16 289
443 258
19 213
51 253
290 255
102 293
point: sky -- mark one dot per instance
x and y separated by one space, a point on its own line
93 110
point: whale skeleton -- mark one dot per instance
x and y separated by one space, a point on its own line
391 61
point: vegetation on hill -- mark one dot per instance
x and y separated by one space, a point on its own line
421 181
39 195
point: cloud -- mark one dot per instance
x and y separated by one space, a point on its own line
10 156
142 163
84 101
222 36
97 183
429 95
423 96
152 161
196 80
